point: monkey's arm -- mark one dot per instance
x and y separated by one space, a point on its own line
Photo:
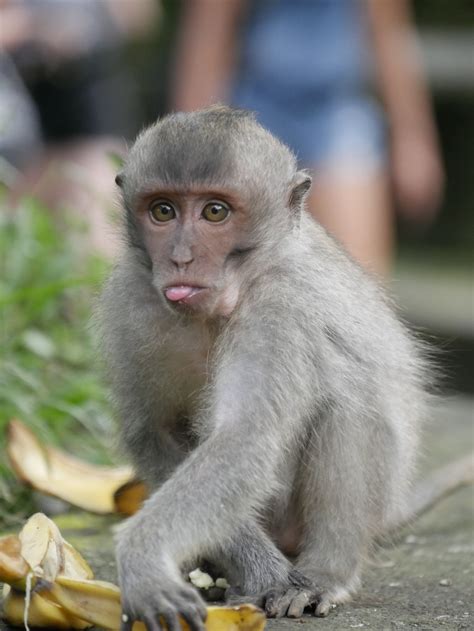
154 452
221 484
207 38
231 473
417 169
132 327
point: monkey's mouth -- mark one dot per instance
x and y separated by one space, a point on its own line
184 294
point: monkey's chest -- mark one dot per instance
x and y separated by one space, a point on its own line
189 385
188 375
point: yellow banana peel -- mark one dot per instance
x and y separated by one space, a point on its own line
129 498
57 473
67 597
42 612
13 567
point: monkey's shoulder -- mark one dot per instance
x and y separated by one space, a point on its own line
314 297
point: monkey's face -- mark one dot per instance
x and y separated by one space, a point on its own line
195 239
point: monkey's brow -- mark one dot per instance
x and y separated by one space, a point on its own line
158 189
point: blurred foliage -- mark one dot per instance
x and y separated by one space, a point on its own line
452 233
444 14
48 372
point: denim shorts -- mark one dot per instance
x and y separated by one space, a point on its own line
304 68
323 129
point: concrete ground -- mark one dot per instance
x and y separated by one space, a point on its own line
424 581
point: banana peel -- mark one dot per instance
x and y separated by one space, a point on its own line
128 498
42 612
61 475
42 547
52 586
55 556
13 567
98 602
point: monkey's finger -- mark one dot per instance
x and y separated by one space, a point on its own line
153 625
298 604
127 622
195 602
172 621
193 619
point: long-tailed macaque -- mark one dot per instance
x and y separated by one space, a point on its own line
267 392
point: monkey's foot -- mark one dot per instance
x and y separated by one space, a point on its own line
290 602
299 594
296 600
303 595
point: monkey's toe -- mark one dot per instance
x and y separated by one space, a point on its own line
299 604
290 602
323 608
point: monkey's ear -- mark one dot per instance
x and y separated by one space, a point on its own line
119 179
300 186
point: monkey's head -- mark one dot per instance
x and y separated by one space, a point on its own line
205 193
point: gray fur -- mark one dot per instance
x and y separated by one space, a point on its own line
301 409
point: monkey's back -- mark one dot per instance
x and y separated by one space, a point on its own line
370 376
371 361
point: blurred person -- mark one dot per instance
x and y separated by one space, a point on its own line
64 98
305 67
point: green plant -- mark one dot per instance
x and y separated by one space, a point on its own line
48 369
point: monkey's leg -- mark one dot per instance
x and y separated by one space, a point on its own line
335 529
251 562
333 500
154 451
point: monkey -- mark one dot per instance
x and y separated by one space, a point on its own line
267 391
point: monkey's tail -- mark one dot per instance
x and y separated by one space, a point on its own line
429 491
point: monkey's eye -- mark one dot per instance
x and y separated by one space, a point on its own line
161 212
215 212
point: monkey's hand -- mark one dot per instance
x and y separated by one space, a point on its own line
153 590
291 600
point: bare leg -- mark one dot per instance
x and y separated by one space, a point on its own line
355 208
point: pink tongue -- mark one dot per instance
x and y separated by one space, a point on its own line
178 293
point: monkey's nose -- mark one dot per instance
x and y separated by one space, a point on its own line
181 257
182 265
